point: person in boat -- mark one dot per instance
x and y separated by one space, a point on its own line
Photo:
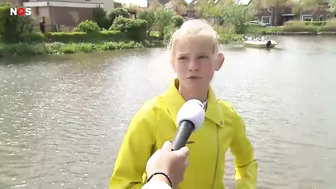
194 57
166 162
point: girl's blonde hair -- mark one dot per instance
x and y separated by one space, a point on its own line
196 27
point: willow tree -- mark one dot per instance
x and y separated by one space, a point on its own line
208 9
155 5
227 11
179 6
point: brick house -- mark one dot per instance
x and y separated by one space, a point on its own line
321 13
275 16
64 12
279 16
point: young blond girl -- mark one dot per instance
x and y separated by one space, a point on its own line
194 58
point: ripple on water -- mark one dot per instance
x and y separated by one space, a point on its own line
62 122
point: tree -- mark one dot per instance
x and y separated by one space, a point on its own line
100 16
163 18
118 12
237 15
227 11
155 5
179 6
149 16
207 9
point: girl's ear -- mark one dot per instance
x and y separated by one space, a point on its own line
220 61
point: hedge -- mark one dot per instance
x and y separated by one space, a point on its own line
74 37
136 29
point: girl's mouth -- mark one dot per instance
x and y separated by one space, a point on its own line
194 77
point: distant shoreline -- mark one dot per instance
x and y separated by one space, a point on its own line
302 33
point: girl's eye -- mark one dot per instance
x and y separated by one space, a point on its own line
182 58
203 57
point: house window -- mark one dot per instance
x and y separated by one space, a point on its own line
307 18
266 19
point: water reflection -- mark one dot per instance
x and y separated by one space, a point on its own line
62 118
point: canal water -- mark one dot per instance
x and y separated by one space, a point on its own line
62 118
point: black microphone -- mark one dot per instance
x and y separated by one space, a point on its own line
190 118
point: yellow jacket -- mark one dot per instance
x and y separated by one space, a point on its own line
155 123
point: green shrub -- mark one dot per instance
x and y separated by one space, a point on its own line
136 29
32 38
87 26
310 29
263 30
21 49
168 32
24 49
315 23
225 38
76 37
299 26
329 27
177 21
115 13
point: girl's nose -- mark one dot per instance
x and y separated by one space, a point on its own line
193 66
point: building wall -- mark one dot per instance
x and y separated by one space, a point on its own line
108 5
70 16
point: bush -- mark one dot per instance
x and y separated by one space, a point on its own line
32 38
225 38
100 16
177 21
115 13
315 23
77 37
298 26
168 32
87 26
329 27
263 30
136 29
24 49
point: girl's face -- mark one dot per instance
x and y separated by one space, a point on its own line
194 59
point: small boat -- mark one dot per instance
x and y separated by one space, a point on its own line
262 42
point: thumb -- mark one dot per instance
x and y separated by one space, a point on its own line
167 146
184 152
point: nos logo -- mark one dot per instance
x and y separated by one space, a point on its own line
21 11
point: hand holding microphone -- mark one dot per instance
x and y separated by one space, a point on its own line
166 161
190 118
168 164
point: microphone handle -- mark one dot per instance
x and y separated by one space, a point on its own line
183 133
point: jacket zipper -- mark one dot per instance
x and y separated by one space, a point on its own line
215 172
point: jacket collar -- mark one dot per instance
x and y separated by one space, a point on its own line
174 101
